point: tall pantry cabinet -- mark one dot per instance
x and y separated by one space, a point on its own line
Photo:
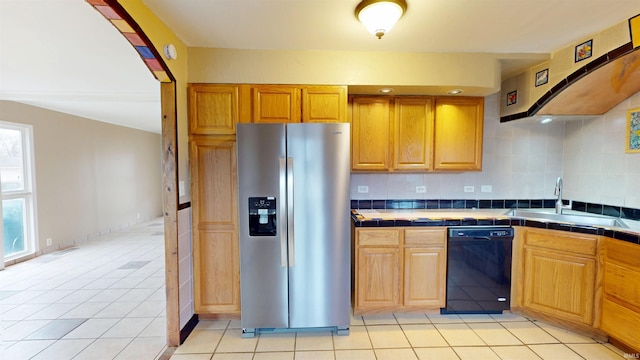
214 111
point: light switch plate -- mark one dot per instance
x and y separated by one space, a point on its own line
181 188
469 188
362 189
421 189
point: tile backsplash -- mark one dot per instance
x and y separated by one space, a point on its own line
523 158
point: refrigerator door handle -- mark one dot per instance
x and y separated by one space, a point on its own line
290 210
283 210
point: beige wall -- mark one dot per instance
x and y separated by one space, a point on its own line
91 177
478 73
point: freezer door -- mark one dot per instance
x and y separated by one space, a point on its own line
263 262
319 250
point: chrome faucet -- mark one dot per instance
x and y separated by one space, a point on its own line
558 192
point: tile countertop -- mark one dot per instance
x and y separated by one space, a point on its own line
479 217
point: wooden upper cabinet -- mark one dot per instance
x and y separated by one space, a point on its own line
324 104
413 131
370 126
213 109
276 104
458 133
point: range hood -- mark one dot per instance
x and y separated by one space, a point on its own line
593 89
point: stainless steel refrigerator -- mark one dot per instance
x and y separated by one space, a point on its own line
294 215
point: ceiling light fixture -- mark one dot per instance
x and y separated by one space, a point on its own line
385 90
454 92
379 16
546 120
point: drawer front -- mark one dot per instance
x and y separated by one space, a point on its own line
621 323
378 237
563 241
622 283
432 236
623 252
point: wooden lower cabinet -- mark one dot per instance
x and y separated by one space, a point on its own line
378 278
559 285
399 269
559 276
424 278
621 303
217 284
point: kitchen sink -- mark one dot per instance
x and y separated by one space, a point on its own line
593 220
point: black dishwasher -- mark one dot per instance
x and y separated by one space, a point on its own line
478 270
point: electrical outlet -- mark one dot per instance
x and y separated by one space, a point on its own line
49 241
469 188
363 189
421 189
486 188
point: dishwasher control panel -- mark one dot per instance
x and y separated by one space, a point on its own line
481 231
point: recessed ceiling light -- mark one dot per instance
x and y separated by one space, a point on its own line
454 92
386 90
546 120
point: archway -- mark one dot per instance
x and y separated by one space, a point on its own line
129 28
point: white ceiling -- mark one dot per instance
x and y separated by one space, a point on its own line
63 55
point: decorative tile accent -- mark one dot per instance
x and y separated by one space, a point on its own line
108 12
122 26
145 52
453 204
134 39
114 12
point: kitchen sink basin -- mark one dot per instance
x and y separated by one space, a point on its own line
593 220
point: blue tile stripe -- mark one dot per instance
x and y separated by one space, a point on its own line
145 52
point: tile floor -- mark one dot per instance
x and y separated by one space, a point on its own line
104 299
400 337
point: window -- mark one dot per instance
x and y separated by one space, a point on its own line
17 181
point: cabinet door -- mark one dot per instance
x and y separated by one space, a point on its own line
559 285
621 304
370 134
276 104
458 133
413 131
378 278
216 272
424 277
324 104
213 109
215 238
